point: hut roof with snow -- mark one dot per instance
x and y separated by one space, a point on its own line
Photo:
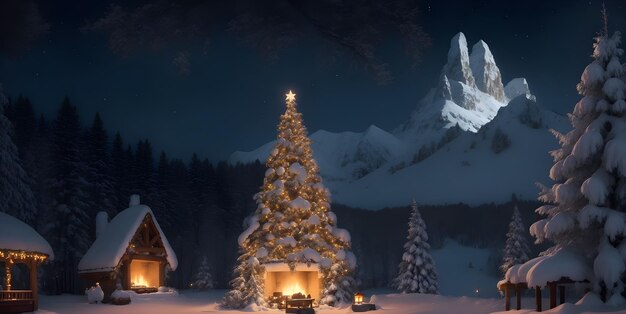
116 240
16 235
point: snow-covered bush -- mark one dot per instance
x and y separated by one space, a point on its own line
204 279
120 297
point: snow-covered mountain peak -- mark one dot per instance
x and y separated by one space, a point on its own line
486 72
517 86
469 92
467 125
458 66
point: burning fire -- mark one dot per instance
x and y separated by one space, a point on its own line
138 280
293 288
144 274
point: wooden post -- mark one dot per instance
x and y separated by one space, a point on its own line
538 298
162 274
518 296
146 232
507 296
126 274
552 286
33 283
561 294
8 267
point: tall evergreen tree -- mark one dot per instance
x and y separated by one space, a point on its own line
130 178
69 223
293 207
416 272
16 196
143 181
101 195
41 170
200 193
516 249
120 173
25 124
585 207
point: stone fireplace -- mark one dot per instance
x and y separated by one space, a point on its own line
305 279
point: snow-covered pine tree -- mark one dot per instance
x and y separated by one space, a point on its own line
293 221
68 222
586 206
144 179
516 249
416 272
120 173
16 196
204 279
100 193
247 287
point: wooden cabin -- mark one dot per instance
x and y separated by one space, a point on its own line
131 251
20 244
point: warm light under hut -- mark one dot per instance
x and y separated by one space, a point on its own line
20 244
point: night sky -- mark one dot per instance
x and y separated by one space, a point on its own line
232 97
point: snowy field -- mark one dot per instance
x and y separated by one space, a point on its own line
463 271
458 284
207 302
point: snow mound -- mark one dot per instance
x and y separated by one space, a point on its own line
94 294
17 235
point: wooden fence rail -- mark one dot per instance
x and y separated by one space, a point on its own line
16 295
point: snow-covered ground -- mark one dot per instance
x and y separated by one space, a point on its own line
462 270
207 302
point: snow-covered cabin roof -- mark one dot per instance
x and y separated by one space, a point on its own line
18 236
110 246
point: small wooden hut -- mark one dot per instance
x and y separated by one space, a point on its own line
131 251
20 244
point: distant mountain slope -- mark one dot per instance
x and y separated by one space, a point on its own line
468 169
453 148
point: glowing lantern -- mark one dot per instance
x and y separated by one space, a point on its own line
358 298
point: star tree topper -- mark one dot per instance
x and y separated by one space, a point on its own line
290 96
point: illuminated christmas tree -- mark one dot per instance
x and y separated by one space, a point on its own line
293 222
